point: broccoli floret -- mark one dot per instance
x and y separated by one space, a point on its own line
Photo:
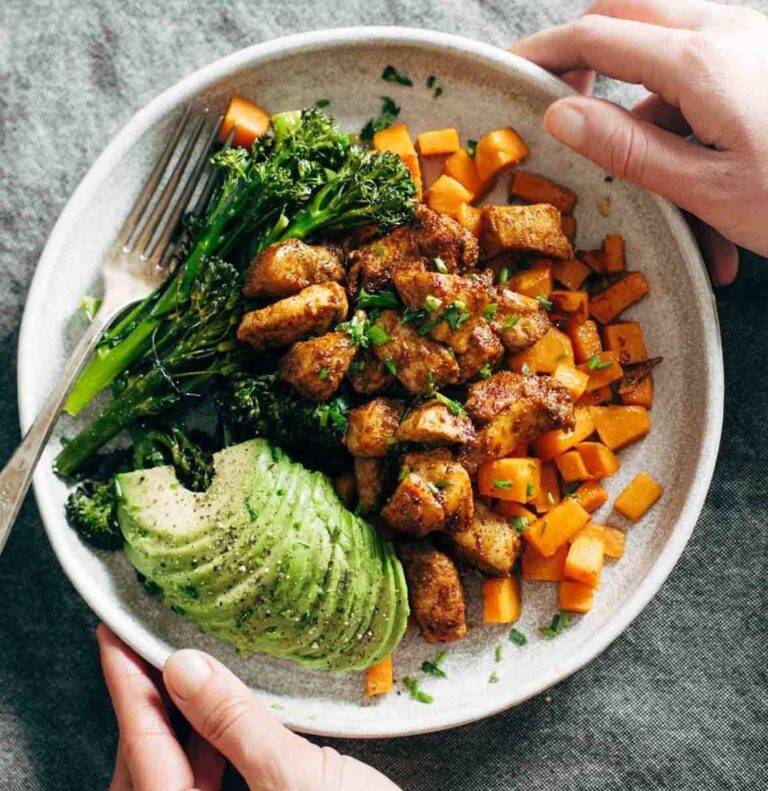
92 511
263 406
163 445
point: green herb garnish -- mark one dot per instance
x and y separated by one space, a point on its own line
485 372
499 652
518 523
503 275
433 668
417 694
323 373
454 406
440 265
545 303
560 620
596 364
498 483
389 364
517 637
529 490
431 81
378 299
472 148
490 310
432 303
510 322
388 115
378 336
321 103
493 678
391 74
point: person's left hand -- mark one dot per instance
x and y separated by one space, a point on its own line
227 723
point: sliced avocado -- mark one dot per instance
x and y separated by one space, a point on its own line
268 558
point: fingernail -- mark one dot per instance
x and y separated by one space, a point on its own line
185 672
567 124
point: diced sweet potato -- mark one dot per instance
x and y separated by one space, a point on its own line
568 224
438 141
575 596
606 305
585 340
570 272
602 369
470 217
584 562
640 394
602 395
557 527
510 479
553 443
638 497
511 509
571 466
549 489
501 600
447 196
618 426
499 150
599 461
462 167
626 341
545 355
570 305
378 677
536 567
537 189
533 282
591 496
572 379
613 253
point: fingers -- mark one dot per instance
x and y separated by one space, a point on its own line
684 14
121 779
720 255
624 49
207 763
654 110
149 747
581 80
226 714
650 157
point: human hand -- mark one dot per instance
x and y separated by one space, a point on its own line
227 723
704 65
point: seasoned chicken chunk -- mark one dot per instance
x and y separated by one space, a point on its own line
421 364
519 321
433 423
535 229
435 493
490 543
453 297
476 346
285 268
370 375
435 591
516 409
430 236
310 312
371 427
369 478
316 367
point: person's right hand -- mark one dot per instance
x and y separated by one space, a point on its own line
705 66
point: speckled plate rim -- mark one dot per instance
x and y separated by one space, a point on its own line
192 85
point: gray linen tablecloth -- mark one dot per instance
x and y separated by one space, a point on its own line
678 702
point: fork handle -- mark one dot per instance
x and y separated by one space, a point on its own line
17 474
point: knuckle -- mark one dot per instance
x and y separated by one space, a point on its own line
628 149
224 717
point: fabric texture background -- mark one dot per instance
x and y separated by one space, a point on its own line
680 701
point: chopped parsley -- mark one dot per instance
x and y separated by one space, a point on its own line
411 315
431 81
334 411
490 310
498 483
503 274
433 668
432 303
517 637
493 678
391 74
530 490
416 694
389 364
499 652
438 92
455 315
472 148
378 336
454 406
596 364
518 523
388 115
357 329
378 299
560 621
485 372
323 373
545 303
440 265
321 103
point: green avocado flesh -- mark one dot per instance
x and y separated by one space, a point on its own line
268 558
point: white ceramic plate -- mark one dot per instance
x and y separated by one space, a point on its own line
484 88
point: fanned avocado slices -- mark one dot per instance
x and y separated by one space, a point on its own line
267 558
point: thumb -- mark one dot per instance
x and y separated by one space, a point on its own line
644 154
226 714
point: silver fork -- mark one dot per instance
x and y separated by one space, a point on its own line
136 263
